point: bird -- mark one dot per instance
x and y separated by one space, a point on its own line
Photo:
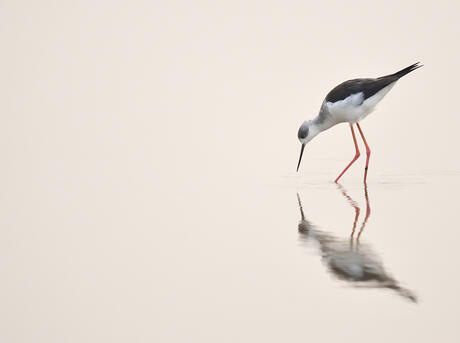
350 102
349 259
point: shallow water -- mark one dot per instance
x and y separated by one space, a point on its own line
241 260
148 191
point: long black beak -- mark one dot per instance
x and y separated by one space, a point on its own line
300 158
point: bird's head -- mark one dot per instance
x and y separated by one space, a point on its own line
307 131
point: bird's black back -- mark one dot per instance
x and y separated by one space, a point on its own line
368 87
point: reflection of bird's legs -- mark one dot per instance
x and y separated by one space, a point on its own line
354 204
368 212
357 210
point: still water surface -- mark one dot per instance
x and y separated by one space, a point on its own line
270 258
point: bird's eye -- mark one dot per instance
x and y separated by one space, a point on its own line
303 132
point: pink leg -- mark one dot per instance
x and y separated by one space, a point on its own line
354 158
368 151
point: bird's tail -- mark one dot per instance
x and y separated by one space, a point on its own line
407 70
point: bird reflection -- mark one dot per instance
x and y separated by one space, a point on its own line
349 259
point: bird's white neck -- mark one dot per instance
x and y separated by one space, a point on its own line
320 124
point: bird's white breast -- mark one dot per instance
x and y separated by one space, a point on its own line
352 109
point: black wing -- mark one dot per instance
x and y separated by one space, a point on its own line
367 86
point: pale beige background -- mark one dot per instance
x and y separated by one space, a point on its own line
147 183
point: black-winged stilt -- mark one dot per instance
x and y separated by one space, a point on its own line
351 101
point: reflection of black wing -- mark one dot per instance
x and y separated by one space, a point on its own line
368 87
